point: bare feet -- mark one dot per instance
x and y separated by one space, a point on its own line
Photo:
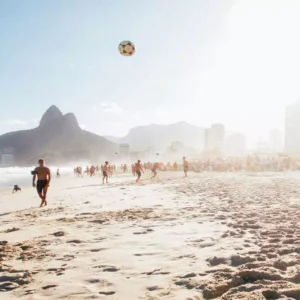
44 203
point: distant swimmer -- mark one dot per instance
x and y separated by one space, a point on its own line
105 172
57 173
43 175
138 170
185 166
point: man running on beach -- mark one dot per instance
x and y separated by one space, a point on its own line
43 175
105 172
138 170
185 166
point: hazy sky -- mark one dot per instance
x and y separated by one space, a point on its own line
202 61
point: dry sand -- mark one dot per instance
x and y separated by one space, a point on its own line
209 236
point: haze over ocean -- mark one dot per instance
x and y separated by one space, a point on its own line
22 176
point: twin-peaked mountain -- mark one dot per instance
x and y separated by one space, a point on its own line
58 139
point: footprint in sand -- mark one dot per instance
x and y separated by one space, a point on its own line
111 269
147 254
50 286
156 272
107 268
100 282
99 249
30 292
67 258
59 233
107 293
154 288
75 242
11 230
184 256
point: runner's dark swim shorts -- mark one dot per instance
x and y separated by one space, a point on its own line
138 173
105 174
40 185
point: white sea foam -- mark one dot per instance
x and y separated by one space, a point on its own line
22 176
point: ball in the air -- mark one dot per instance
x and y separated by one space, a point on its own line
126 48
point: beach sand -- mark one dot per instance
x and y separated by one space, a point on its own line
208 236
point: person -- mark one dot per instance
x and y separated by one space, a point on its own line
138 170
43 176
57 173
105 172
133 169
16 189
185 166
154 168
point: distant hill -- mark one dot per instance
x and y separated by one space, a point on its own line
58 139
161 136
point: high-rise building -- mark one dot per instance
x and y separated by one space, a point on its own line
235 145
214 138
292 126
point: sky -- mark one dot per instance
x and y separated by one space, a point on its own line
236 62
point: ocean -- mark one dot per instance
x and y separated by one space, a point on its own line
22 176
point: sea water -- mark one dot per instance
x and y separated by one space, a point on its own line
22 176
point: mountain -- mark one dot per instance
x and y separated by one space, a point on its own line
58 139
161 136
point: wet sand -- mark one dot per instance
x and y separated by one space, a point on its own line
209 236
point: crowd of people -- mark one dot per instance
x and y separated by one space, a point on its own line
137 169
251 163
254 163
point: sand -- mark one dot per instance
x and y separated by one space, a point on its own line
209 236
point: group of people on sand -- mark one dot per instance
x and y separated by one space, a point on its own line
93 170
42 175
251 163
137 167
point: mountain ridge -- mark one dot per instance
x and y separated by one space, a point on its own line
58 138
162 135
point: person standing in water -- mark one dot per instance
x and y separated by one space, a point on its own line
43 176
185 166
